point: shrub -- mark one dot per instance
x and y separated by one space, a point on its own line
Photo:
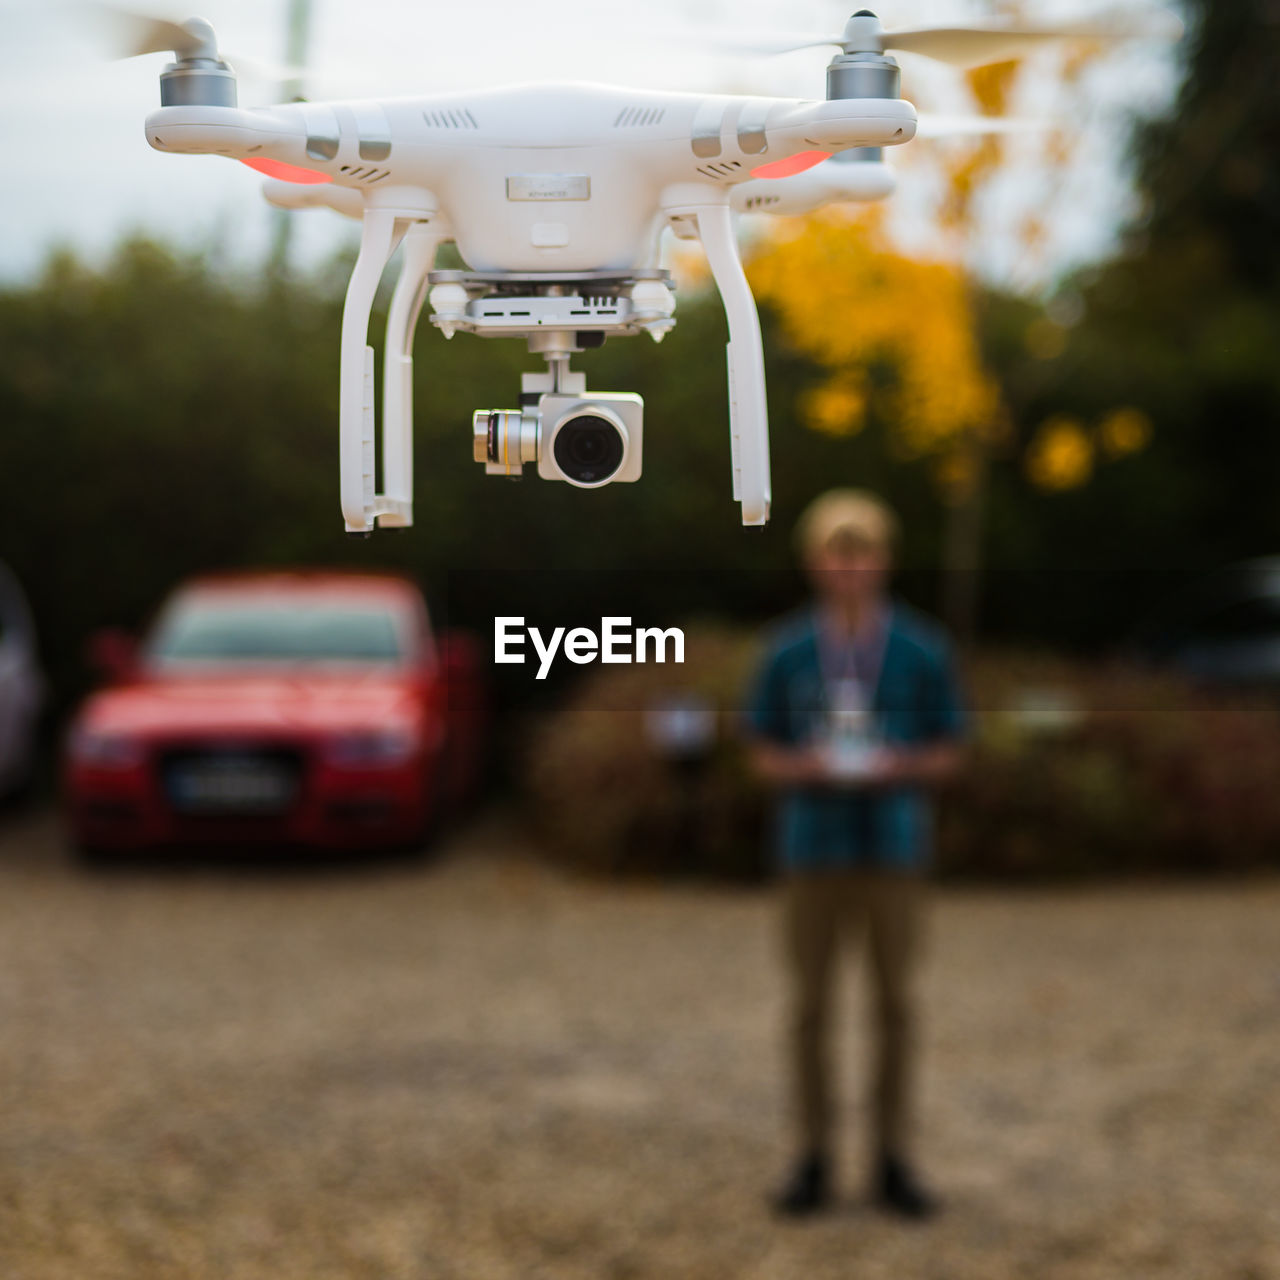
1141 771
606 798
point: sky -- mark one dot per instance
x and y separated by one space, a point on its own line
81 175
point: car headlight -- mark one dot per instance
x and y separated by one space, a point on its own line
372 749
102 750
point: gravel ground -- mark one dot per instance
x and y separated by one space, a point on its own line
472 1067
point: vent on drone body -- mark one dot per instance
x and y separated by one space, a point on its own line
638 117
718 171
365 175
450 118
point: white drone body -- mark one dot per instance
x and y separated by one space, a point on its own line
553 180
557 197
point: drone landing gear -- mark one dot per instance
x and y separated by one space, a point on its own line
554 315
748 404
362 505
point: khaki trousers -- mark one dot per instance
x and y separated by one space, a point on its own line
822 908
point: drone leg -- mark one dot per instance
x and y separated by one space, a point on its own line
748 406
356 414
396 504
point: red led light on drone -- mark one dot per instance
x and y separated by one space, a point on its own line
286 172
791 165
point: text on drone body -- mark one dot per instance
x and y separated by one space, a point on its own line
616 642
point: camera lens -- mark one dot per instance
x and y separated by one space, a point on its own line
504 440
588 449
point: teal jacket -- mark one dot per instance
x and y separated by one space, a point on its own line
917 701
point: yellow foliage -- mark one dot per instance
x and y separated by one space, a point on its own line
965 178
899 334
1125 431
838 407
848 301
1061 455
971 167
992 86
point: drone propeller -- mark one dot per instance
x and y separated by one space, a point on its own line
955 126
969 47
129 34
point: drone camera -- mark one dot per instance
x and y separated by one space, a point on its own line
587 440
591 442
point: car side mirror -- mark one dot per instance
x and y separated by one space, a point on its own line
113 654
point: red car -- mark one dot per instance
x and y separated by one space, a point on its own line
298 708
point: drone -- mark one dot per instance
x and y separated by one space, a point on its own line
557 197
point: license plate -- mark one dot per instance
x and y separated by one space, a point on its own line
231 786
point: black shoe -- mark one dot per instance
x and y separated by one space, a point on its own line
898 1191
807 1190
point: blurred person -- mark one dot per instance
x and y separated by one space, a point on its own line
854 717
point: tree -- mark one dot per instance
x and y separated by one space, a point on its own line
1184 323
902 330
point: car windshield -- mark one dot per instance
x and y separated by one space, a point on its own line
251 633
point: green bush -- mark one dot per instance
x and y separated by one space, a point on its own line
1074 769
1129 770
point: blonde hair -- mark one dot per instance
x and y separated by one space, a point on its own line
846 517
